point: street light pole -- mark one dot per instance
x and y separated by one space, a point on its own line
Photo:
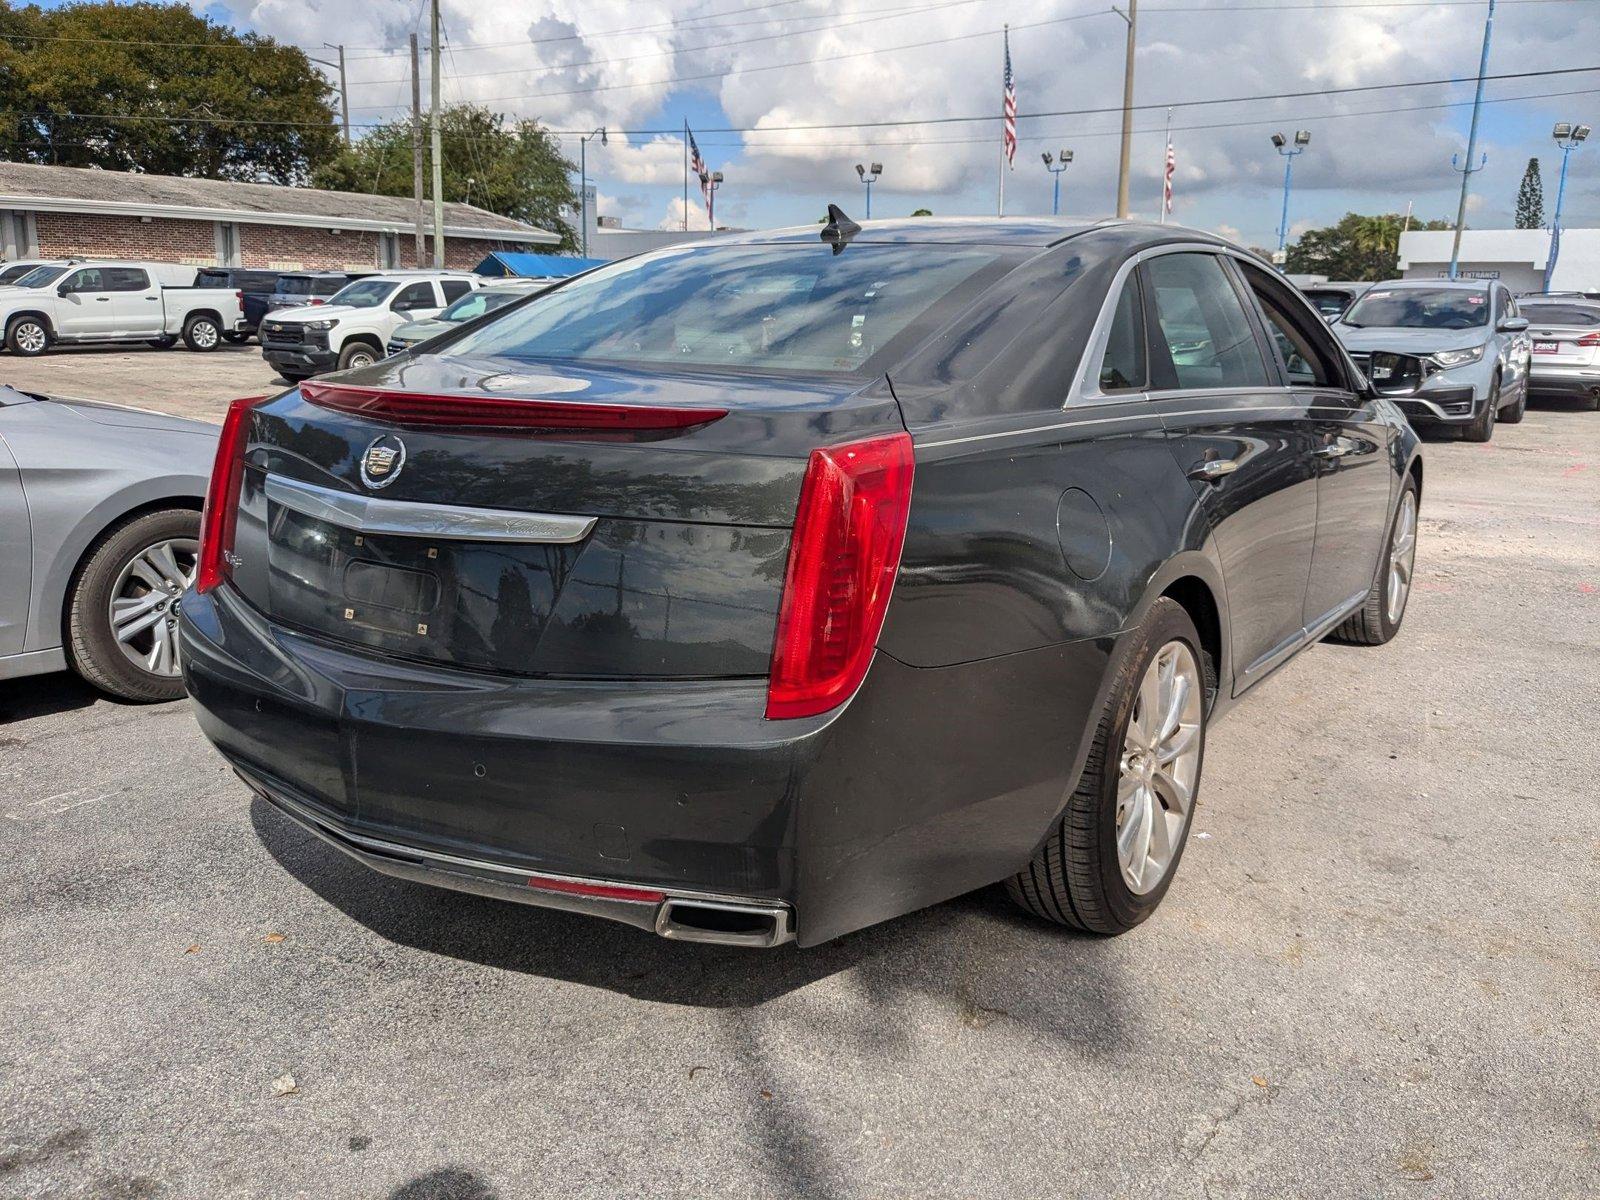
1302 139
1568 137
712 185
1049 165
1468 170
869 176
583 183
1132 18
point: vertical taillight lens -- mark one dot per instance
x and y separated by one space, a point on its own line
843 557
221 513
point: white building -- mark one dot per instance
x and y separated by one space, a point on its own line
1516 257
608 239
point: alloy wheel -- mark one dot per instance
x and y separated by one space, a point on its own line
362 359
205 334
30 337
1160 767
1402 557
144 604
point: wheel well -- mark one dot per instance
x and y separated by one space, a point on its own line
368 339
42 318
214 317
1416 473
1193 593
192 503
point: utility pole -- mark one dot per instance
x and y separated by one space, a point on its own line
416 150
1132 18
344 88
1472 146
437 145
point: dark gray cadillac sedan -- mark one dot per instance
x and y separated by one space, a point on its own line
764 589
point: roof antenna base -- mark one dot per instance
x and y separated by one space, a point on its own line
839 229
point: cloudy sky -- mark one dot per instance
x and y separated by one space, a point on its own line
747 74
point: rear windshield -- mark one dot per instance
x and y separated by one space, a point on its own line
294 285
795 308
40 276
310 285
1329 304
1561 314
207 279
1420 308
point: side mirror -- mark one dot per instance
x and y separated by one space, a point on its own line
1513 324
63 290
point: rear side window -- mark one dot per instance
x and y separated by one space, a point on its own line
1123 368
1203 324
126 279
454 289
1305 346
414 296
790 307
1561 314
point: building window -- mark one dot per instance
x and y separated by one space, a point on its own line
388 251
228 245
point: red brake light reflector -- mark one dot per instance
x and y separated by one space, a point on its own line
1589 339
220 517
601 891
843 557
504 412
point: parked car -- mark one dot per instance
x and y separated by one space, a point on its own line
1566 348
1450 353
487 299
99 529
1332 298
295 288
353 327
654 600
255 291
105 301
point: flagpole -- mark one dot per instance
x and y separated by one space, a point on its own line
1002 208
686 174
1166 183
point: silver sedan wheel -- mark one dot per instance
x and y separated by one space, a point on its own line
30 337
1160 767
144 614
1402 557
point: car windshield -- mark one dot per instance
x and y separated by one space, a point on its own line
475 304
1561 314
1329 304
368 293
772 307
40 276
1420 308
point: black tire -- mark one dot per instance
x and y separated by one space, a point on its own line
27 337
1074 878
358 354
1514 413
1591 403
1482 427
235 337
92 646
162 343
1370 625
202 333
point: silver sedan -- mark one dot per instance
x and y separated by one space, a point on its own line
99 531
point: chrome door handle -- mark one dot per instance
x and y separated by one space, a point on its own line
1335 450
1214 468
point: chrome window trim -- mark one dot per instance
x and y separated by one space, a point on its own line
406 518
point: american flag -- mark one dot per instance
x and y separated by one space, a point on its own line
698 166
1010 109
1166 192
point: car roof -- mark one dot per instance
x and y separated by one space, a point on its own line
1476 285
975 231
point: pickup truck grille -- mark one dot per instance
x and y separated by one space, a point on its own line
1392 374
278 333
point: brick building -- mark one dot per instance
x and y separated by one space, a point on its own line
56 212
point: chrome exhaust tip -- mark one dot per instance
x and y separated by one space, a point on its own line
754 925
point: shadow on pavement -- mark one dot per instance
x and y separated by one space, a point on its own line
447 1183
45 695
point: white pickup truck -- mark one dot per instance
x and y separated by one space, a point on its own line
99 301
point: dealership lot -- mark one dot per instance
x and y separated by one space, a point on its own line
1374 975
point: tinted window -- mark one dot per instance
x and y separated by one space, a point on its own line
327 285
40 276
209 279
126 279
87 280
1203 323
1329 304
294 285
14 272
1420 308
454 289
413 297
1308 359
1123 367
1561 314
798 307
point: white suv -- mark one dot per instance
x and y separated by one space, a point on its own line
353 327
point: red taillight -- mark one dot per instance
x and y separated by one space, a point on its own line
316 300
843 557
1589 339
221 513
601 891
504 412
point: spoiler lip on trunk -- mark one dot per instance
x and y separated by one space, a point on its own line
507 414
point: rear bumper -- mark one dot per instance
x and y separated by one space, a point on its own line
1553 380
929 783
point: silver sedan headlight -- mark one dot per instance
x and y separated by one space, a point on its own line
1444 359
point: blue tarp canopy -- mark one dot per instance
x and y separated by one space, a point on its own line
504 263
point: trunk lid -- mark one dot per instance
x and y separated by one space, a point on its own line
656 553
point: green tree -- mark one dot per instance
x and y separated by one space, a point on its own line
1530 198
515 169
923 212
157 88
1357 247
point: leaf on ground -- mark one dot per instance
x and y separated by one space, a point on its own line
1259 1080
193 948
274 938
766 1095
284 1085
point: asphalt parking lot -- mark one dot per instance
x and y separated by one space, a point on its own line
1375 975
177 381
